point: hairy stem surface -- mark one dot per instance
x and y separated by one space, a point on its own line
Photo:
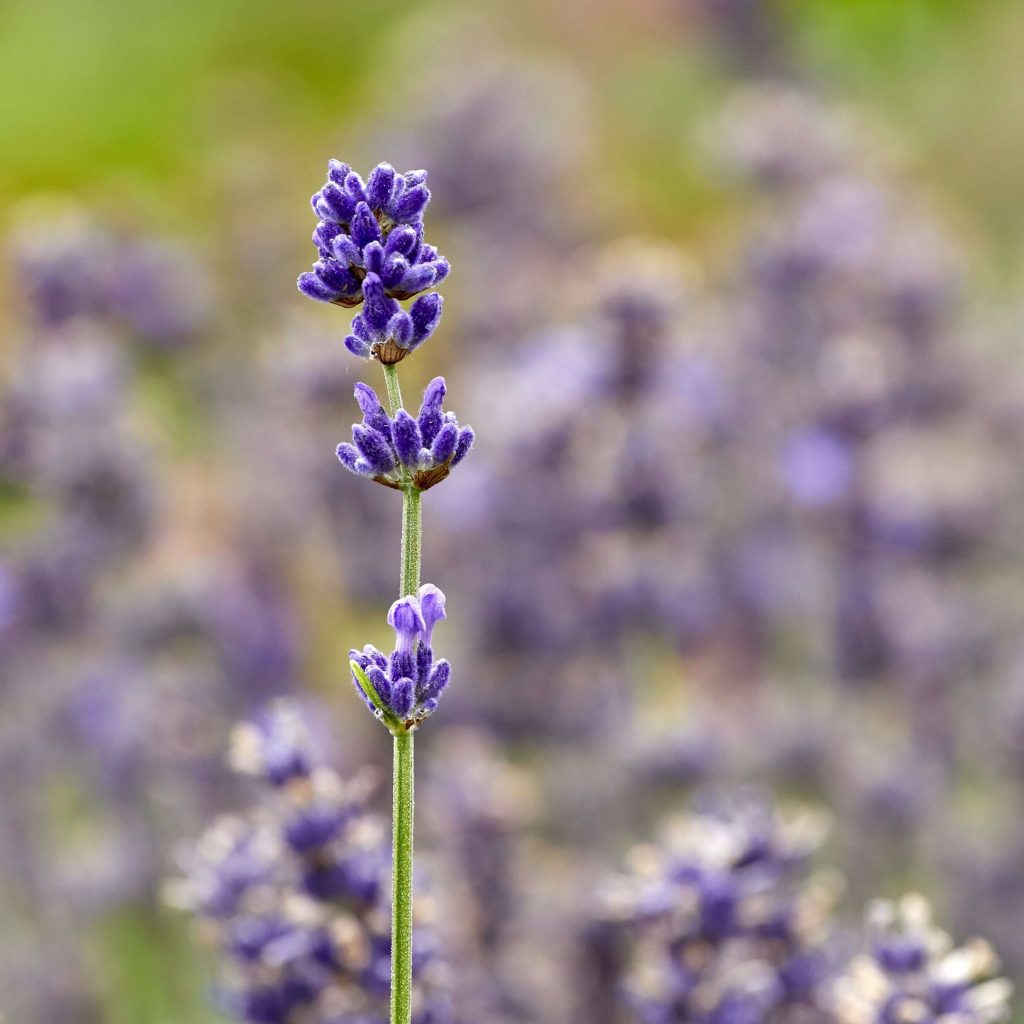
401 906
404 782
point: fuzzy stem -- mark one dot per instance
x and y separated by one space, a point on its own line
401 879
412 536
391 382
404 779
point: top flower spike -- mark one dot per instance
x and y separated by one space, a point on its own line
370 239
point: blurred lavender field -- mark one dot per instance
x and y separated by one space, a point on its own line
736 584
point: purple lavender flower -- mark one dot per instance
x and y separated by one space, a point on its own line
371 230
403 450
912 972
719 922
404 689
295 893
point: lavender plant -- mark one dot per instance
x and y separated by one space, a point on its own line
370 239
295 893
721 920
912 972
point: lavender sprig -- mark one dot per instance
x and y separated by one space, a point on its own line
370 240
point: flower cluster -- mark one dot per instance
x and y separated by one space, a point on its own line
392 451
719 921
404 689
370 241
911 972
296 894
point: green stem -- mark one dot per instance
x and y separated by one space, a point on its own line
391 382
401 881
404 780
412 536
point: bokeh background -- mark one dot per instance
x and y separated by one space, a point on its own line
734 312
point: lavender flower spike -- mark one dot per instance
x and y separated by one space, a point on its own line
402 450
403 689
374 229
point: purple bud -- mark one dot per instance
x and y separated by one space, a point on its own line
345 250
424 662
357 346
333 274
466 439
380 682
374 415
439 679
411 204
406 435
400 328
354 187
444 444
375 449
406 619
430 409
402 698
425 313
324 235
348 456
312 287
380 186
365 228
432 603
373 257
333 203
414 178
419 277
401 240
394 270
337 171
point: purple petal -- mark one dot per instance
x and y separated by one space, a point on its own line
406 619
432 602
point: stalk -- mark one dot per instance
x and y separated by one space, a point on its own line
401 898
403 793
